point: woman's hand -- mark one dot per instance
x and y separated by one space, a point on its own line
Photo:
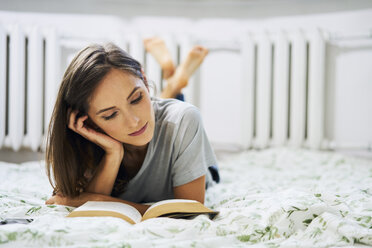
59 199
104 178
110 145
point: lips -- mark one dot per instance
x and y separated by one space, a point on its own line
139 132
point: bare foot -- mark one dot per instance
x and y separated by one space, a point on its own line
184 71
157 48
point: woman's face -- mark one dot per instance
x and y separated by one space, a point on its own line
121 107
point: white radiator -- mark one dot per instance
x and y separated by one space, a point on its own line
283 89
29 71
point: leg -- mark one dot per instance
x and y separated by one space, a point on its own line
157 48
184 71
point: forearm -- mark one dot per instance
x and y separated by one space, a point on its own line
104 179
194 190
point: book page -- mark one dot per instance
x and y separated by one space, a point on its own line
175 206
122 208
170 201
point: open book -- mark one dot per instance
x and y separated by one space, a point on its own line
175 208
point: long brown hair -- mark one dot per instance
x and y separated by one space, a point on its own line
68 154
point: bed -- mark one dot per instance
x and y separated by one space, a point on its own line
278 197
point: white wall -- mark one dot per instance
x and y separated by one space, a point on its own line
195 9
349 102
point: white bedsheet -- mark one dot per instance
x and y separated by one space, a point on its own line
271 198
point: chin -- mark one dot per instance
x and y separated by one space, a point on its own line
141 140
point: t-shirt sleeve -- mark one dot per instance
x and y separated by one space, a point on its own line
193 153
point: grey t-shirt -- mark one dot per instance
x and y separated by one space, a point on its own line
178 153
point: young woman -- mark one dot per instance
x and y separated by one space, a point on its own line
108 140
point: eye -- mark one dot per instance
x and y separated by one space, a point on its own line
110 117
137 99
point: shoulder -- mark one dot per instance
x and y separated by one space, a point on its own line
175 111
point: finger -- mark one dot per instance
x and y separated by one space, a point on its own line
71 118
80 121
71 124
77 125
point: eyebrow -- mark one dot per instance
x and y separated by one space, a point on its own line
105 109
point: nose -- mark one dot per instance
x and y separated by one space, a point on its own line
132 121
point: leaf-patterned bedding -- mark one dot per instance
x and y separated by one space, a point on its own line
278 197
